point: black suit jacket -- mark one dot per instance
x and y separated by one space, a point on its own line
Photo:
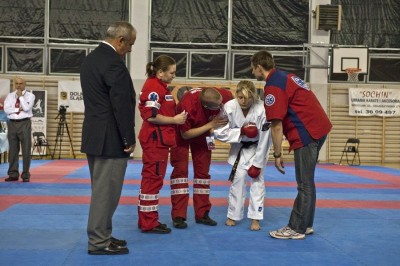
109 99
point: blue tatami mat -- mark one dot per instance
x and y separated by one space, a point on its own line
357 221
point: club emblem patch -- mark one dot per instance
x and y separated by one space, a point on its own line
153 96
269 100
300 82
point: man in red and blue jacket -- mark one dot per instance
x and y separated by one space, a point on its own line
295 113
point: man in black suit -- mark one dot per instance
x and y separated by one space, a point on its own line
108 134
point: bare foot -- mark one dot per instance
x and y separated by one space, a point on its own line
255 225
230 222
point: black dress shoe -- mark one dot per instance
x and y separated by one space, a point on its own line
206 220
25 176
118 242
8 179
159 229
112 249
179 223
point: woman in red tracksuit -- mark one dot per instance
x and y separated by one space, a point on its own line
156 136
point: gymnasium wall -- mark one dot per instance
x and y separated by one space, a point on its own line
380 140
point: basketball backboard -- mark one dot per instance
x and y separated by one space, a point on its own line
349 57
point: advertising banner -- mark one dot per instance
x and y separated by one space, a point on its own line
70 96
374 102
39 123
4 91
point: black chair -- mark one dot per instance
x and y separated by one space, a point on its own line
351 147
40 144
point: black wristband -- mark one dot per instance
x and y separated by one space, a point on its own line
277 155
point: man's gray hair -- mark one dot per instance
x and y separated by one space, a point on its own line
120 29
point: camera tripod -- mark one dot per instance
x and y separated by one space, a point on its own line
62 124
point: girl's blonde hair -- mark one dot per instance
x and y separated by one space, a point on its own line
248 89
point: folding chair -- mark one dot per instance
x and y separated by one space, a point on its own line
351 147
39 144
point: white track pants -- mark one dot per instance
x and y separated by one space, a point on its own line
237 196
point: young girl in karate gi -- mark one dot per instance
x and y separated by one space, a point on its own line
249 137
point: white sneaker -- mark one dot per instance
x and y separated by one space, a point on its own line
286 233
309 231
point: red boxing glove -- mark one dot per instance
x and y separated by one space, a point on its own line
249 131
254 172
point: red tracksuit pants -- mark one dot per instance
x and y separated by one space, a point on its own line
154 167
201 158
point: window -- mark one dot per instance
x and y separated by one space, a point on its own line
292 64
24 59
84 21
66 60
203 29
266 22
28 28
242 66
384 69
22 21
180 58
208 65
189 22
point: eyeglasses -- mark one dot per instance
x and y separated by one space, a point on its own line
213 108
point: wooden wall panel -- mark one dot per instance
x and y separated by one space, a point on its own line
379 136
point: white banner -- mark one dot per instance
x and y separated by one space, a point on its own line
374 102
4 91
4 88
70 95
39 122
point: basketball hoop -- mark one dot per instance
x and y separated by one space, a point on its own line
352 74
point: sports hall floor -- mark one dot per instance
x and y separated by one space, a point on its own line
357 220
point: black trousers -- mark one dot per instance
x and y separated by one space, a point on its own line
19 135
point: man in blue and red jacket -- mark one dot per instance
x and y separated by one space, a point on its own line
295 113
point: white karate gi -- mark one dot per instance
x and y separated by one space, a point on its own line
254 155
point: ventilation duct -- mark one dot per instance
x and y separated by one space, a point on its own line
328 17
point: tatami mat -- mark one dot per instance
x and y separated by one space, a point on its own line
357 220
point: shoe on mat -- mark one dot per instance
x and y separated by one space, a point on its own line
10 179
286 233
179 223
159 229
118 242
309 231
206 220
112 249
